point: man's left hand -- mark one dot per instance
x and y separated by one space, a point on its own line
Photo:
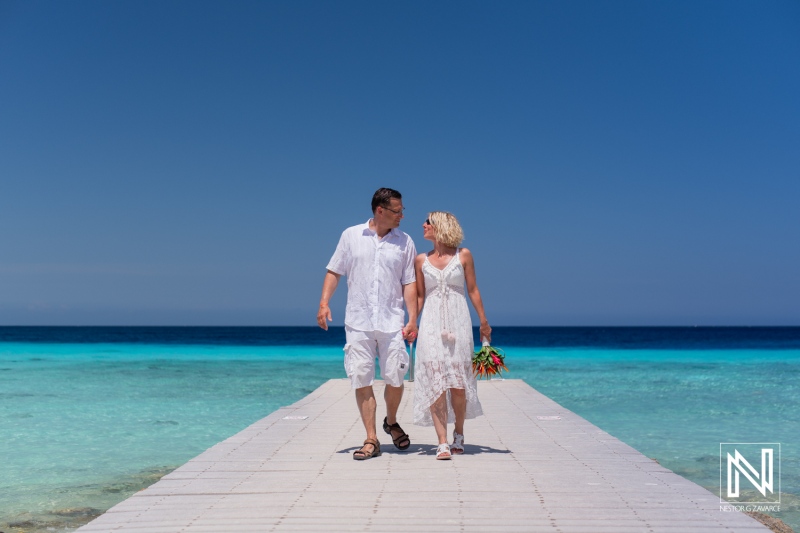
410 332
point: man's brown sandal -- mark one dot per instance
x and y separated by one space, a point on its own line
360 455
403 438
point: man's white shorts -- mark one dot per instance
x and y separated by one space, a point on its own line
364 346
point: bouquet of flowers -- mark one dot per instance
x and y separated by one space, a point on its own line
488 361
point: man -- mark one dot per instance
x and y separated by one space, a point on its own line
378 260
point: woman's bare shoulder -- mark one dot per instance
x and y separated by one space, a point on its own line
465 257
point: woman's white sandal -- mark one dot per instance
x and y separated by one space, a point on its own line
458 443
443 451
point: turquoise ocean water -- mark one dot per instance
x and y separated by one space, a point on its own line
87 420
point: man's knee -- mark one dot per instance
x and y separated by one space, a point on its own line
365 392
393 394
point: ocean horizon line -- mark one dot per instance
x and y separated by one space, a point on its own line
605 337
590 326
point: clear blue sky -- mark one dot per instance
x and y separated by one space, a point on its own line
194 163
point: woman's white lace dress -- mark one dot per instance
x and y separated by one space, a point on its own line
444 346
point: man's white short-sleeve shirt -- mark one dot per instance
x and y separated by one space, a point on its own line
376 271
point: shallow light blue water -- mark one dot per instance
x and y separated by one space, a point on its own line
678 406
83 426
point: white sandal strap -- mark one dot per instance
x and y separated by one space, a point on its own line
458 441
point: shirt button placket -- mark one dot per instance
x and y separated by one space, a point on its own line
376 285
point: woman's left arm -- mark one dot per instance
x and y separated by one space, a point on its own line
474 294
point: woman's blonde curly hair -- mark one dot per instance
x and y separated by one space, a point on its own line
446 228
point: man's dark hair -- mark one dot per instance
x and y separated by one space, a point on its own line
383 196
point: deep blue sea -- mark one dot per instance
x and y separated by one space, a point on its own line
90 415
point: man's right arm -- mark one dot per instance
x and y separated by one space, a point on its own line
328 288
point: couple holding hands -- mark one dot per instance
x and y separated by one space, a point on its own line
383 272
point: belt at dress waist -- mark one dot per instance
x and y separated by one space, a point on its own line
444 289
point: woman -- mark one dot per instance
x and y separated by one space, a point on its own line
445 389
